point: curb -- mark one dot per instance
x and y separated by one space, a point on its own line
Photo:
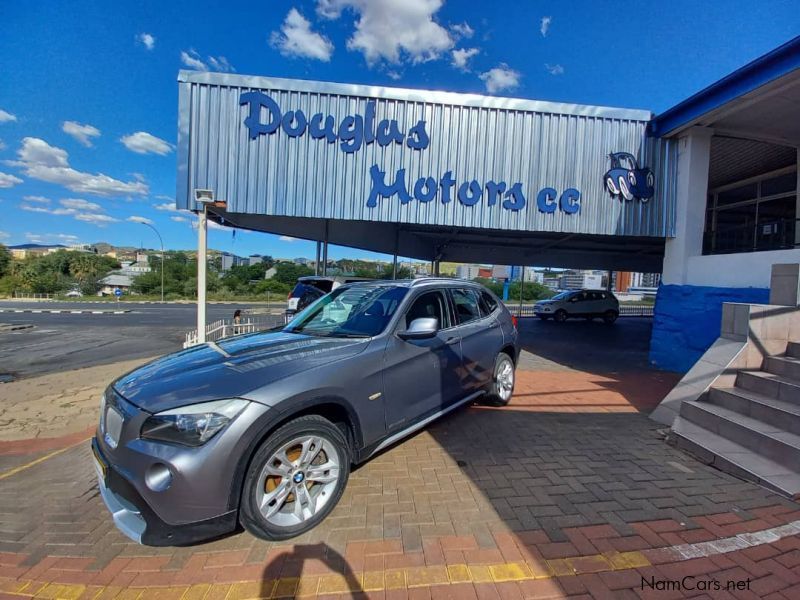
6 327
51 311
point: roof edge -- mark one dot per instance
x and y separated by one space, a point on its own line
778 62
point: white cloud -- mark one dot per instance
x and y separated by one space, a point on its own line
42 238
179 219
295 39
6 117
78 204
2 145
192 60
147 40
392 30
461 57
500 78
287 238
462 30
142 142
544 25
44 162
82 133
394 75
4 235
554 69
8 181
96 219
166 206
138 219
37 199
49 211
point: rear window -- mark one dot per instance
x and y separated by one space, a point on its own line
466 304
487 303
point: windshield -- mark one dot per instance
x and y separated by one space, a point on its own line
561 296
349 312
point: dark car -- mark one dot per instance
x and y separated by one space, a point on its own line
626 180
262 429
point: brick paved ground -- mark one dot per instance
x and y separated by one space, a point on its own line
570 491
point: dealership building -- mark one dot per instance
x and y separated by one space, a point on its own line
705 193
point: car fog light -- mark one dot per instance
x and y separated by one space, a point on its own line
158 477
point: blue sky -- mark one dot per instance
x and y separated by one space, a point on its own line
88 93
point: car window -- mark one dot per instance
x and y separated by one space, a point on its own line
580 297
487 303
350 311
429 305
466 305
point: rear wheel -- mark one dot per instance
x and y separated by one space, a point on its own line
610 316
560 316
502 386
295 479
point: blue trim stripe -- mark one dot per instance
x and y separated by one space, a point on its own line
773 65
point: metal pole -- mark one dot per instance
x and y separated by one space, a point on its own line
396 250
325 251
521 287
608 283
316 263
161 241
202 245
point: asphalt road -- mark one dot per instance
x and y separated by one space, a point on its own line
60 342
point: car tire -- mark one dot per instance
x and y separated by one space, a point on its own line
272 507
503 379
560 316
623 189
610 316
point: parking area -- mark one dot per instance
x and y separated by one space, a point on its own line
568 491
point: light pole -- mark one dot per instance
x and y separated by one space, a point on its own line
162 256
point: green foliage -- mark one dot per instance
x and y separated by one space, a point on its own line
5 260
287 273
56 272
530 292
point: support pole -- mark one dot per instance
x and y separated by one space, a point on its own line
608 281
202 251
521 288
396 250
325 251
316 262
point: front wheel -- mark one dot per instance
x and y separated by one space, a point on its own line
502 386
295 479
610 316
560 316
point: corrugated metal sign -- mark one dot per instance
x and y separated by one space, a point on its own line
309 149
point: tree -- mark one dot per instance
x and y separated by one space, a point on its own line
5 260
288 273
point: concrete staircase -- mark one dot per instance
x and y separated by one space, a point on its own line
751 430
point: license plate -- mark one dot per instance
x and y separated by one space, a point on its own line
99 465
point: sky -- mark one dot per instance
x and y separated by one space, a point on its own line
88 90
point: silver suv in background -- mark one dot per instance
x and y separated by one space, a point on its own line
262 429
587 304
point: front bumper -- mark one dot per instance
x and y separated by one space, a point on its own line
138 521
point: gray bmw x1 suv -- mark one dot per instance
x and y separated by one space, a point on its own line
262 429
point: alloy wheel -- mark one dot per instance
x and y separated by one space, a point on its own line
504 377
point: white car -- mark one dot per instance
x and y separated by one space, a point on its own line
586 304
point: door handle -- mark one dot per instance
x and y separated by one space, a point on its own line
451 340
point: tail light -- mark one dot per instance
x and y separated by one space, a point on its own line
514 321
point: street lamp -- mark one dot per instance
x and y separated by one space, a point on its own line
203 198
162 256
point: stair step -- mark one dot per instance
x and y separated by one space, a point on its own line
793 349
770 441
784 415
769 384
735 459
785 366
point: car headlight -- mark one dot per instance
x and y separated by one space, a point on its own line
192 425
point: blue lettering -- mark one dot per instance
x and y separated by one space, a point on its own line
570 201
388 132
447 182
318 131
494 190
351 130
369 123
546 200
379 187
515 199
475 189
257 101
430 186
420 138
300 119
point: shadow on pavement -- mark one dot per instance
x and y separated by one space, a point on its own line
292 564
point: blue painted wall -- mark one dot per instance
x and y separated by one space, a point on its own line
687 321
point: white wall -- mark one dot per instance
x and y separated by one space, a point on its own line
747 269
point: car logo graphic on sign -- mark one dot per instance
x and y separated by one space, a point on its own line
626 180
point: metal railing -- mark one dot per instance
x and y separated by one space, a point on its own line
752 236
26 296
226 327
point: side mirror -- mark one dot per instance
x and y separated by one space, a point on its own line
420 329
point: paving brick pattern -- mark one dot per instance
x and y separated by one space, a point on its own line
547 497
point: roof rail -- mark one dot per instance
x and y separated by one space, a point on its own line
429 279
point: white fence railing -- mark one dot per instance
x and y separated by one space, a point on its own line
226 328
